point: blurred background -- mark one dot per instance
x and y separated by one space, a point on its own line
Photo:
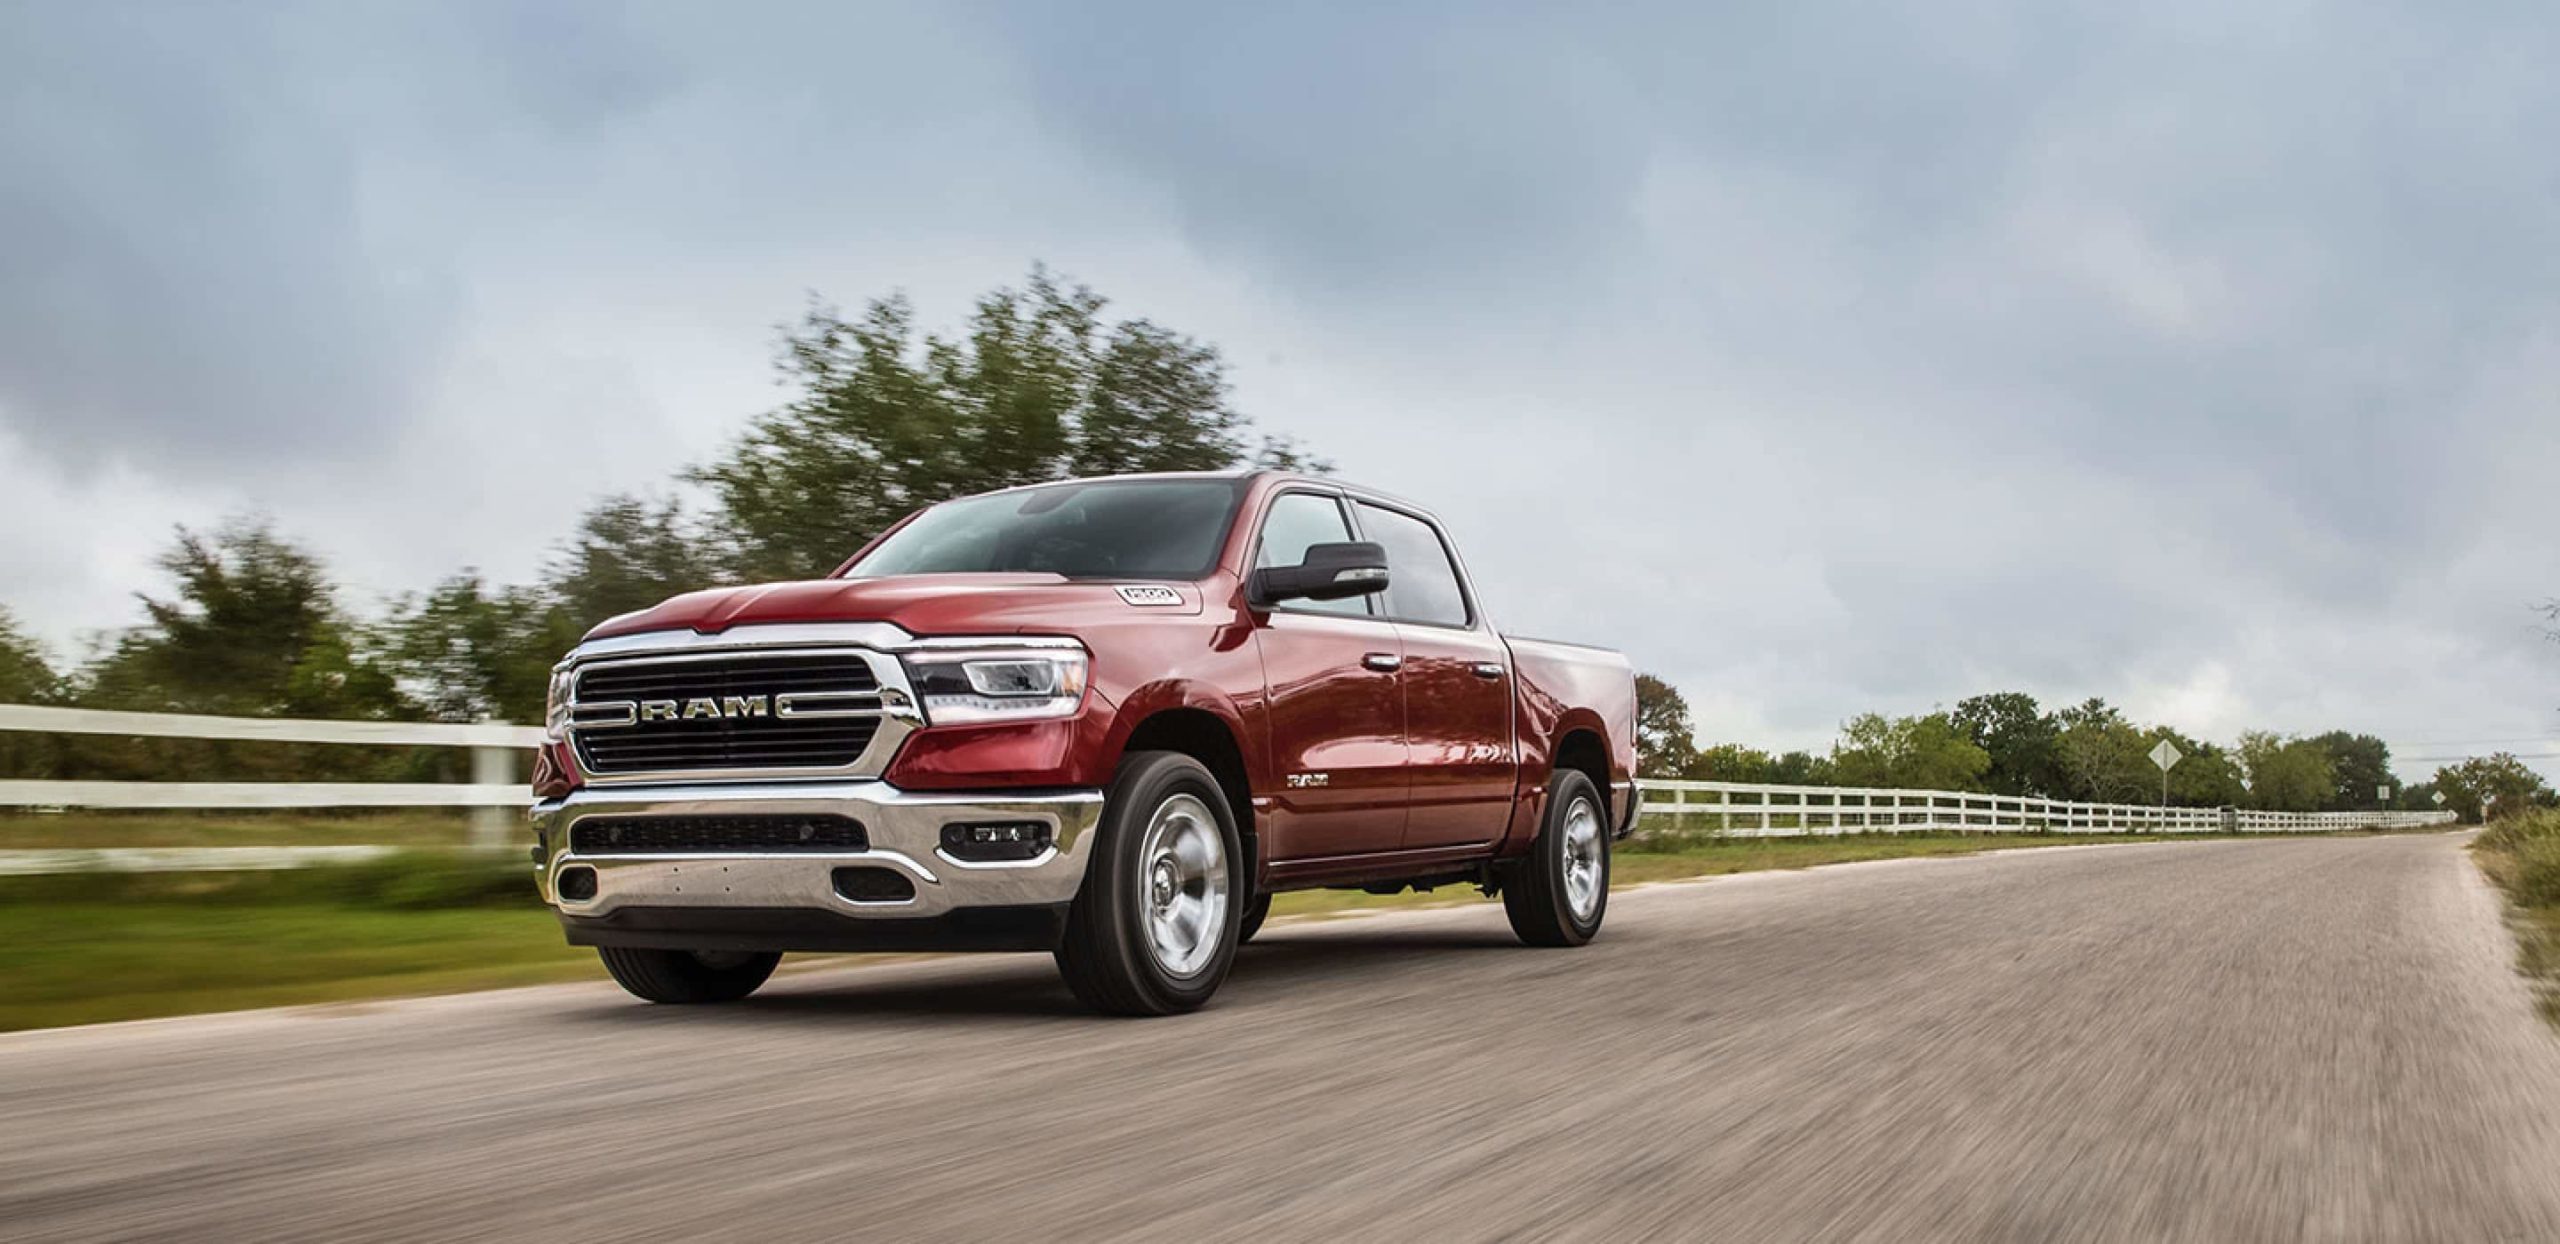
1957 405
1954 398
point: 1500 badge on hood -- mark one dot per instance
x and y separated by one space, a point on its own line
1150 594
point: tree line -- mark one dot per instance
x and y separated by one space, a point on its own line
882 418
2006 743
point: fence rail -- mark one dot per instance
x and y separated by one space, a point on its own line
1737 809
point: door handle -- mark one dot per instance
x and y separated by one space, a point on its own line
1383 662
1488 669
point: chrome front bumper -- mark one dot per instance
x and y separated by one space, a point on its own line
904 829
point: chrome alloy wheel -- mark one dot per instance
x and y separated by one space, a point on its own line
1182 885
1583 865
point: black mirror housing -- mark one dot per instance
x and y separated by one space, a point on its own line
1330 572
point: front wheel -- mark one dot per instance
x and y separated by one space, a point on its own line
687 976
1155 927
1557 895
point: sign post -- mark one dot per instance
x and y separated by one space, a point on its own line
2165 755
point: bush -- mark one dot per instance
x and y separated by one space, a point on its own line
2528 848
2538 872
2511 833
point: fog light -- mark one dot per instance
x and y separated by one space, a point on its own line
990 841
576 884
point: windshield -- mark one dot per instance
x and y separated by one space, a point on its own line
1112 529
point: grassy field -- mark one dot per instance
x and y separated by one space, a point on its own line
2522 854
403 828
94 947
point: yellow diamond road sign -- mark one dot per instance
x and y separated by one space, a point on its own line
2166 754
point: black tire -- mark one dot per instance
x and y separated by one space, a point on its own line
686 977
1255 913
1536 893
1109 957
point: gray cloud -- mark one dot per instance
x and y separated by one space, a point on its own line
1826 356
187 273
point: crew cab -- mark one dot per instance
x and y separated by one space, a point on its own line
1103 718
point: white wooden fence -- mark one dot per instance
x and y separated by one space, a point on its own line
1755 810
494 791
1730 808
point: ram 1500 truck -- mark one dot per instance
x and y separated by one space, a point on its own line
1103 718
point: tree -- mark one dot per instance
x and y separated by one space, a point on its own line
1158 403
1915 753
467 652
2100 758
628 554
254 629
1283 453
2498 784
2418 797
885 421
25 676
2286 775
1801 768
2019 738
2359 764
1664 745
1729 762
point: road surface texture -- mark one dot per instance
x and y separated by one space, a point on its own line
2315 1039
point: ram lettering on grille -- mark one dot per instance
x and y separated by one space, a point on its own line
752 712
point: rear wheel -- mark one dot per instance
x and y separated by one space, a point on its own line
687 976
1558 894
1155 927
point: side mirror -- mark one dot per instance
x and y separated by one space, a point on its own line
1330 572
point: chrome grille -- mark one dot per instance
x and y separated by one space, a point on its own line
675 715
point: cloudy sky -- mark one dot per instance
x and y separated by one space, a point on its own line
1826 357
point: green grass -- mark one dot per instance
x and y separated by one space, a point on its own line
84 963
2522 854
32 830
91 947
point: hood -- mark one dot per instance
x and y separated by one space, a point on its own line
928 604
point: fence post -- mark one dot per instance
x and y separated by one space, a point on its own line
491 827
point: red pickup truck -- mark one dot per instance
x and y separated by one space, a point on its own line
1102 718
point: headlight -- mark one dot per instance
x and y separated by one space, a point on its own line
555 705
998 684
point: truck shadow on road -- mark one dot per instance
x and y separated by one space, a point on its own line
1273 970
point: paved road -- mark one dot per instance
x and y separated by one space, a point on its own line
2314 1039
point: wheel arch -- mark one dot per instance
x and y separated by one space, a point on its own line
1205 735
1584 749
